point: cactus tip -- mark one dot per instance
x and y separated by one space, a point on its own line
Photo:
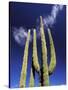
34 29
28 30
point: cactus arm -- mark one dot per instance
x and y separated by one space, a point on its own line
52 64
35 56
24 65
44 55
31 83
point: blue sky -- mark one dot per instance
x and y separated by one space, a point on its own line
26 15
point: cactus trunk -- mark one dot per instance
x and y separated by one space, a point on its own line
25 61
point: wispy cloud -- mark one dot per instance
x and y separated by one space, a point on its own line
20 35
51 19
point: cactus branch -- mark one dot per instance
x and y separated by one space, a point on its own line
25 61
52 64
44 55
31 84
35 56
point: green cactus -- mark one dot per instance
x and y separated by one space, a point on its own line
35 56
43 70
24 65
52 64
31 83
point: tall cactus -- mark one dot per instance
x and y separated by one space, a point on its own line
44 56
24 65
35 56
44 71
52 64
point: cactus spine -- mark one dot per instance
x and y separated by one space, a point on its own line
25 61
53 54
44 56
35 56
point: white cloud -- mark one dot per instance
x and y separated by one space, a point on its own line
51 19
20 35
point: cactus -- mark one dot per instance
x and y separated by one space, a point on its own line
44 56
35 56
52 64
43 70
25 61
31 83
